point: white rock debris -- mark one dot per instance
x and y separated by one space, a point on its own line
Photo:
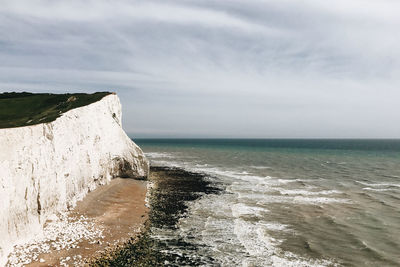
64 233
150 185
46 168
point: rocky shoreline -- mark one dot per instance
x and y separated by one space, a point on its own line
169 193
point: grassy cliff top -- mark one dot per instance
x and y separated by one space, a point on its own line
23 109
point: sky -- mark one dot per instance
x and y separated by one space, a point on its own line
226 68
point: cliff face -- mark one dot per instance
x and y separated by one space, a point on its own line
46 168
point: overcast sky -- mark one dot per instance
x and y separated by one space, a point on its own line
243 68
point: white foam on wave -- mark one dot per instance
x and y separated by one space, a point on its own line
165 163
338 163
320 200
198 165
308 193
246 181
241 176
264 187
237 241
251 196
292 260
301 200
378 184
154 155
274 226
241 209
258 187
260 167
254 239
263 248
378 189
229 231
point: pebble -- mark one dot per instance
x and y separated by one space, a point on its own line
65 232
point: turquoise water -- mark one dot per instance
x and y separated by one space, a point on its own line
291 202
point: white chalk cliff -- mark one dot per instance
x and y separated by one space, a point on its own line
46 168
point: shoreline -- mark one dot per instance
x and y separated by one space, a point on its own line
120 224
107 217
170 190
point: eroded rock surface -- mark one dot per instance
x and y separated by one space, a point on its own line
46 168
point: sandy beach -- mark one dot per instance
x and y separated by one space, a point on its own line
106 217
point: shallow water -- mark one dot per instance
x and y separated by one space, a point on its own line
290 202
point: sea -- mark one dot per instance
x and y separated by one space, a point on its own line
288 202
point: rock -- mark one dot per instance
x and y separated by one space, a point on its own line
71 99
46 168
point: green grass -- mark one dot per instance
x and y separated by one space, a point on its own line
23 109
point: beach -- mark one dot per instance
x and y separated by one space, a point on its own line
107 217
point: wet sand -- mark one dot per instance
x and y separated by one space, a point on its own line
117 209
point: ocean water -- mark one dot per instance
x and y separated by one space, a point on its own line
289 202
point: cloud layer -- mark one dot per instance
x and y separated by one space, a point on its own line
233 68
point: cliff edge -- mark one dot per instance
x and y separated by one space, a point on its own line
45 168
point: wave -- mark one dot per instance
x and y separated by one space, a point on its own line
337 163
264 249
166 163
253 237
274 226
391 176
236 175
154 155
246 177
309 193
378 184
378 189
258 188
236 230
260 167
301 200
237 240
241 209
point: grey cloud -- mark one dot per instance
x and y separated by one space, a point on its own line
215 68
